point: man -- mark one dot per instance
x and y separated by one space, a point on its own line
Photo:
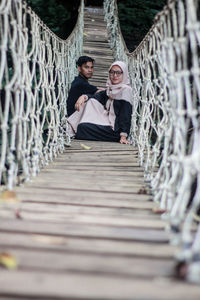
80 84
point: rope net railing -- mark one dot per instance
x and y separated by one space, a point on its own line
36 71
165 76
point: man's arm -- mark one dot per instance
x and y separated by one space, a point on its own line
100 89
100 96
89 88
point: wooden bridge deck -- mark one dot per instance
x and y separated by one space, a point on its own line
85 227
96 44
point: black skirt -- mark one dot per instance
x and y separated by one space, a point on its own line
93 132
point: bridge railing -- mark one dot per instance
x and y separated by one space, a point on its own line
36 70
165 76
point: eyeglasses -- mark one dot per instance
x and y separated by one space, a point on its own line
118 73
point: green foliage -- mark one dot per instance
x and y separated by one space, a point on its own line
136 18
52 13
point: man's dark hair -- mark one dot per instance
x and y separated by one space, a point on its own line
83 60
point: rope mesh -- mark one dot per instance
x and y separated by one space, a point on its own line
165 76
36 70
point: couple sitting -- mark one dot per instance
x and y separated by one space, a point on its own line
102 115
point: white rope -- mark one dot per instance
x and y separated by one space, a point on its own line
165 76
36 71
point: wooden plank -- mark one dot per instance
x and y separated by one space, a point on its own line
69 212
93 162
75 193
66 245
91 180
87 187
85 231
46 210
105 146
79 182
104 152
46 196
97 264
43 284
75 245
137 170
46 215
108 175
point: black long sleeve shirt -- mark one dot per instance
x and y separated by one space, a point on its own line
79 86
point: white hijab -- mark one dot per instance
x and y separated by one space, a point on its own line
123 90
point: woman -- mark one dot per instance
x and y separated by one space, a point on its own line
105 116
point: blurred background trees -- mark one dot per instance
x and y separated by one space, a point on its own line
59 15
136 16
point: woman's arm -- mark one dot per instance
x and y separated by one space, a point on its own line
100 96
125 121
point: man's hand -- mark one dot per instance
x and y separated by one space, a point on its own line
81 100
123 140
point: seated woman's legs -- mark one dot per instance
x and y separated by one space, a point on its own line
93 132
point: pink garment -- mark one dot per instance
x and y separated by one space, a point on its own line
123 90
92 112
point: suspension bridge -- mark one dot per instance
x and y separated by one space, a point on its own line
109 221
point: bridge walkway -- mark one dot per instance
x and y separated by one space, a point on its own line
85 228
96 44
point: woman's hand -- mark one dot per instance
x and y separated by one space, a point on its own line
81 100
123 140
